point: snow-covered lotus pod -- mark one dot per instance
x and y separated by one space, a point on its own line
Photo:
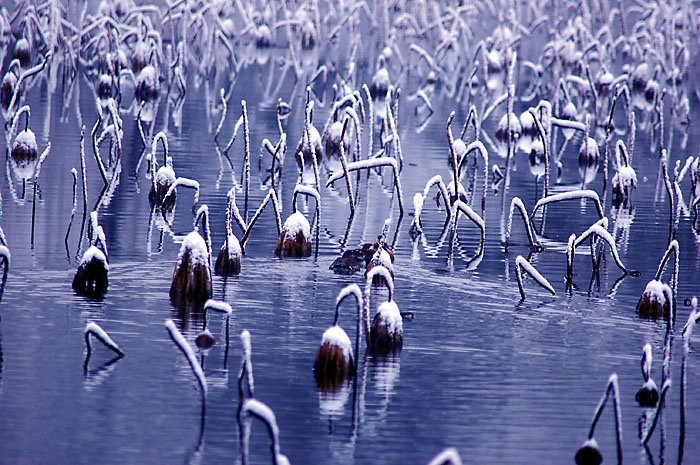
588 157
589 453
228 262
502 133
460 151
603 83
334 363
381 258
7 89
537 161
24 154
623 182
191 278
333 141
655 300
569 113
140 56
165 176
91 278
334 360
648 395
315 150
380 83
147 84
528 132
295 238
695 177
386 332
22 52
494 68
104 86
263 36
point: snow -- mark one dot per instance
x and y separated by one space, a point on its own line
590 149
472 215
460 149
448 455
625 177
336 336
577 194
384 259
94 253
218 305
515 126
384 273
418 205
186 349
655 290
25 140
364 164
165 176
296 223
255 407
196 247
234 247
148 77
646 361
521 262
95 329
335 131
351 289
390 316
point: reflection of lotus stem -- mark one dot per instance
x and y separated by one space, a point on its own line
271 195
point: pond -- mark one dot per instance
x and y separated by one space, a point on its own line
500 378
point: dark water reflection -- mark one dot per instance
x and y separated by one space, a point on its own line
503 381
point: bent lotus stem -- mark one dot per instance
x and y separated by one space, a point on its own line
571 195
437 180
522 264
481 148
271 196
472 117
246 162
382 271
187 351
5 257
601 232
347 291
369 164
448 456
531 236
672 248
93 329
453 155
184 182
344 163
669 191
254 408
203 216
613 388
461 207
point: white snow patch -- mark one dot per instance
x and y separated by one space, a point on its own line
296 223
335 335
25 140
195 245
390 316
655 291
94 253
165 176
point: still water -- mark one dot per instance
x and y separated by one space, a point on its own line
503 381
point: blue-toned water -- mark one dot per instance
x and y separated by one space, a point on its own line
500 379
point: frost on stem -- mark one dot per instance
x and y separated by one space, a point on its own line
522 264
254 408
531 236
448 456
93 329
590 450
369 164
577 194
598 230
461 207
271 196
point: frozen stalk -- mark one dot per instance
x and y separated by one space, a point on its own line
93 329
461 207
522 264
186 349
531 236
578 194
271 196
590 447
